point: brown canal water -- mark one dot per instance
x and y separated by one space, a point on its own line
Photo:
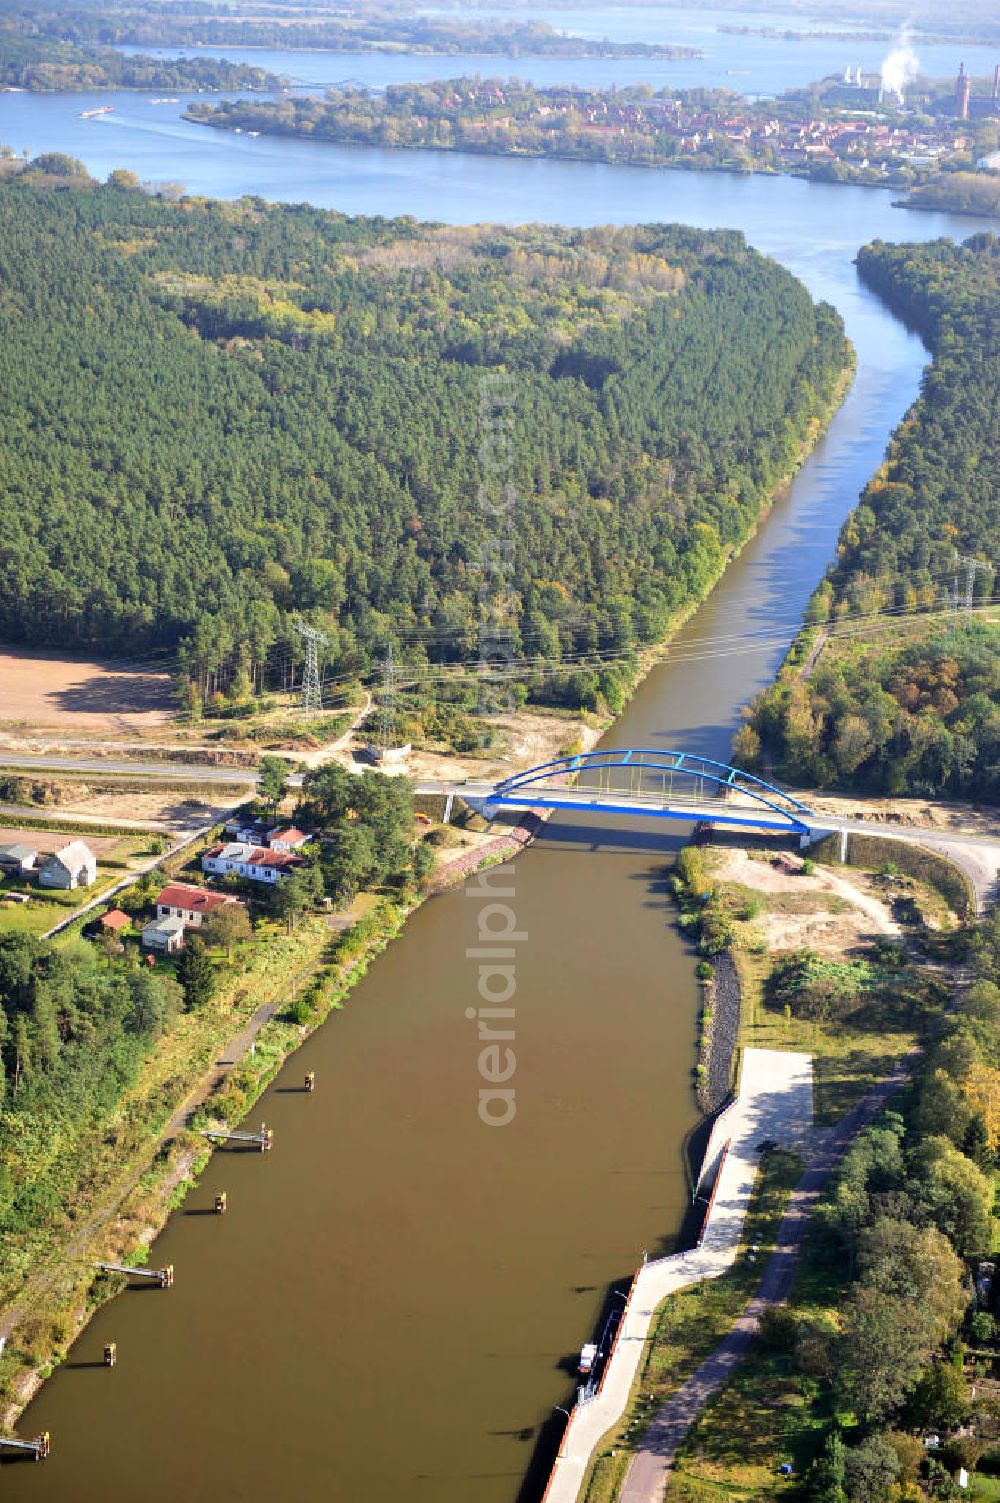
391 1307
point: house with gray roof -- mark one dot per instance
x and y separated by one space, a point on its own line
17 860
74 865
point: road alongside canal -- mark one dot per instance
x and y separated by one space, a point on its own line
392 1304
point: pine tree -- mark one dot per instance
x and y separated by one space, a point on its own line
196 974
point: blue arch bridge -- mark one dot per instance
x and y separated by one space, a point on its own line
662 784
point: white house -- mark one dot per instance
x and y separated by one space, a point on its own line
17 860
256 863
191 904
75 865
287 839
164 934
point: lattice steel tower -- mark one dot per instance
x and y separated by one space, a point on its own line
972 568
387 716
312 692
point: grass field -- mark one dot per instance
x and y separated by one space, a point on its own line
849 1056
48 906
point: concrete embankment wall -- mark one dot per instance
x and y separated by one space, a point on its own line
774 1104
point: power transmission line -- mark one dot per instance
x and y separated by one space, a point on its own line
973 566
312 690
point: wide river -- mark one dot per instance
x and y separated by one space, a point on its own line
386 1312
749 64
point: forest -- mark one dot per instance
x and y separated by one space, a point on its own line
896 687
50 65
383 28
958 193
901 1249
463 442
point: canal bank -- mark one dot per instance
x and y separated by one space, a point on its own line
774 1104
393 1257
129 1227
62 1296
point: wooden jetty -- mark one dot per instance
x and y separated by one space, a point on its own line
262 1140
162 1276
38 1448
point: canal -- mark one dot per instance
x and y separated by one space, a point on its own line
387 1311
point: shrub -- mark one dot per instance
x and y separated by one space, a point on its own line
299 1012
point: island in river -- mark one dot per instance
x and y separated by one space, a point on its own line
826 132
381 32
51 65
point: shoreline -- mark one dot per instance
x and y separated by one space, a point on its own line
152 1201
177 1175
467 149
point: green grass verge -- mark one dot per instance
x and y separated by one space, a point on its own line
766 1415
849 1056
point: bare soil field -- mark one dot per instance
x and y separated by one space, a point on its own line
978 819
532 737
80 698
54 840
826 911
165 807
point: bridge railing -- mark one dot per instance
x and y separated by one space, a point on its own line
641 766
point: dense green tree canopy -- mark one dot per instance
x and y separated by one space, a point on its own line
905 698
217 416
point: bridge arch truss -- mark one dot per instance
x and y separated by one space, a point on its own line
671 784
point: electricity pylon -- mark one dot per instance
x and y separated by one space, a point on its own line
972 568
312 693
387 718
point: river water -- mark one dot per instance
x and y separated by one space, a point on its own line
749 64
387 1310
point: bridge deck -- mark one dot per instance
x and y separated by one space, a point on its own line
732 809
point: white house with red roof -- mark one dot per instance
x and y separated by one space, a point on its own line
255 862
287 839
191 904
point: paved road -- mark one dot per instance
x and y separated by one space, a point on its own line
651 1465
977 855
120 767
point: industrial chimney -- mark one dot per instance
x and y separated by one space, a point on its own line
963 88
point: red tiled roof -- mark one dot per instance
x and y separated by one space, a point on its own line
115 919
289 836
193 899
262 857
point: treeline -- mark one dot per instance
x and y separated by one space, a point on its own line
959 193
73 1035
472 443
385 30
49 65
913 704
631 125
909 1217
